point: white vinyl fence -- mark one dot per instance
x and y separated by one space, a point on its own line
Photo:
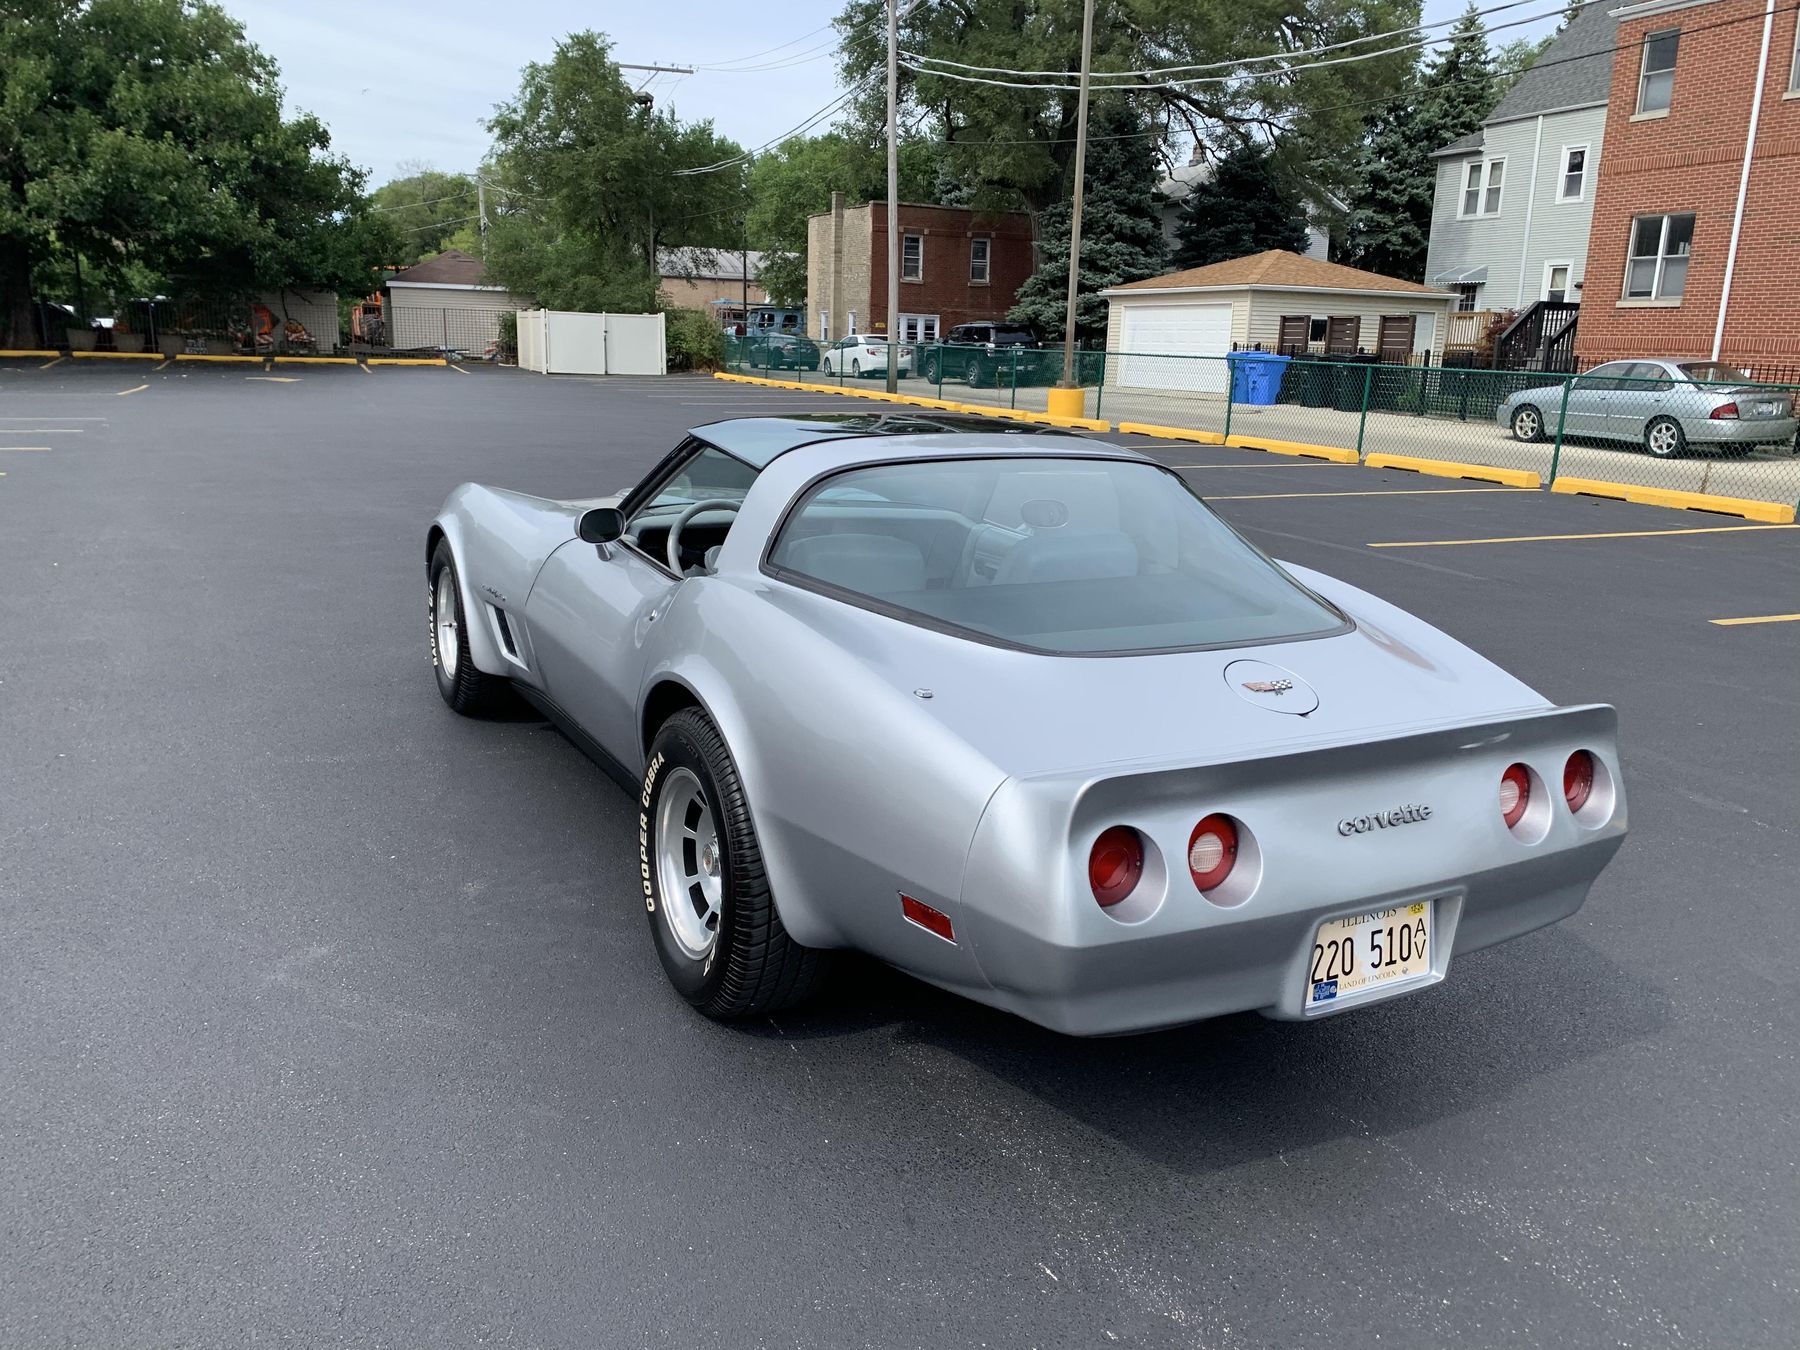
557 342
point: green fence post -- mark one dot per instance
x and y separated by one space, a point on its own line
1015 378
1561 415
940 369
1100 385
1362 424
1228 399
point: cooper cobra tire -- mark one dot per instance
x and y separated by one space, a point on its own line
711 915
1527 423
972 373
466 689
1664 438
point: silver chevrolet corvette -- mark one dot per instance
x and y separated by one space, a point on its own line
1016 712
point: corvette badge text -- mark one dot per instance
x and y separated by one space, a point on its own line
1383 820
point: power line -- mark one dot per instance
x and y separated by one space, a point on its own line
1269 56
408 206
1152 86
836 105
737 60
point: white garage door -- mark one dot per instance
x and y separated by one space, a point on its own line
1151 335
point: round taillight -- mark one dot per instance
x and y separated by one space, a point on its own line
1212 851
1515 794
1115 864
1578 779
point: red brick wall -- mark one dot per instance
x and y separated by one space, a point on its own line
945 288
1692 160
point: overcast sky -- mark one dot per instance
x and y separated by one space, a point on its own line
400 81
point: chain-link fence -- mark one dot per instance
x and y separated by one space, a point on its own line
1689 426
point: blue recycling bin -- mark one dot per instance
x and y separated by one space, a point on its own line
1256 377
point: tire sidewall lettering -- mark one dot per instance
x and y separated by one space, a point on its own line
644 869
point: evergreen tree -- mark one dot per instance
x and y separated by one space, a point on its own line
1121 227
1247 206
1390 211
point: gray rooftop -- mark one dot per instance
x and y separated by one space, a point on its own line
1575 71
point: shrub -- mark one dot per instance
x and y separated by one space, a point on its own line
695 340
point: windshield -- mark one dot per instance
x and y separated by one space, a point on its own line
1713 372
1060 555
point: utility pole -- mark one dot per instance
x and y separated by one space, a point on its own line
893 196
481 212
1081 111
660 70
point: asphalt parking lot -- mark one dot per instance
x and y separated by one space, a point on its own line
327 1017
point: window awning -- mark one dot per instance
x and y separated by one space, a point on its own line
1460 276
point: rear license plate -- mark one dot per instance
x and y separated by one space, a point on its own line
1365 951
1766 409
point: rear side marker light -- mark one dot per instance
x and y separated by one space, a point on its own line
1515 794
1115 865
931 920
1578 779
1212 851
1725 412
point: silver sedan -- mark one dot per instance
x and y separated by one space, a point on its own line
1664 406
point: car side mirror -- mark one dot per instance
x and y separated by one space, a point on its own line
601 525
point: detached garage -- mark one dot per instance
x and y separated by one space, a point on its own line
1274 301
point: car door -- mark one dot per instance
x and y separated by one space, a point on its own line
592 607
1586 412
1643 392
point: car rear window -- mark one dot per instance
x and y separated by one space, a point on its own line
1065 555
1712 372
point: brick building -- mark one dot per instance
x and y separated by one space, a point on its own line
956 266
1689 256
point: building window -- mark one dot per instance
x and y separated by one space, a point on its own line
1794 71
851 330
978 261
1656 78
1573 186
1656 268
912 257
1556 281
824 325
1481 187
1465 297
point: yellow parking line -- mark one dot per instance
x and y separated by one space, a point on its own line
50 363
1611 534
1757 618
275 379
458 369
1375 492
154 369
23 447
364 368
1318 464
140 389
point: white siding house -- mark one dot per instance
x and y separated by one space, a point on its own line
1509 223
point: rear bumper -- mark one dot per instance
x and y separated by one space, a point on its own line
1739 431
1258 964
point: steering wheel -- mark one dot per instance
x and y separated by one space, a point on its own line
681 523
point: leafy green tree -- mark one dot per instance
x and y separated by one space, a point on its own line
1247 206
1121 227
1390 210
796 180
146 137
1513 60
1012 146
591 181
426 209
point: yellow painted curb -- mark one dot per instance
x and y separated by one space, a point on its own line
1335 454
1078 423
1069 403
406 361
23 352
1170 433
1772 513
113 356
315 361
1445 468
238 360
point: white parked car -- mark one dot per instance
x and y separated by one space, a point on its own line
862 354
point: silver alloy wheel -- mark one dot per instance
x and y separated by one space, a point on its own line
444 624
1663 438
856 370
1525 424
690 864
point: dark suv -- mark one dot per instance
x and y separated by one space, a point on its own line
984 353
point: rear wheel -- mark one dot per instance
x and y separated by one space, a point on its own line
1527 423
972 373
1664 438
711 915
856 370
466 689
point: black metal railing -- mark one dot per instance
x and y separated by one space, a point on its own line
1541 338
